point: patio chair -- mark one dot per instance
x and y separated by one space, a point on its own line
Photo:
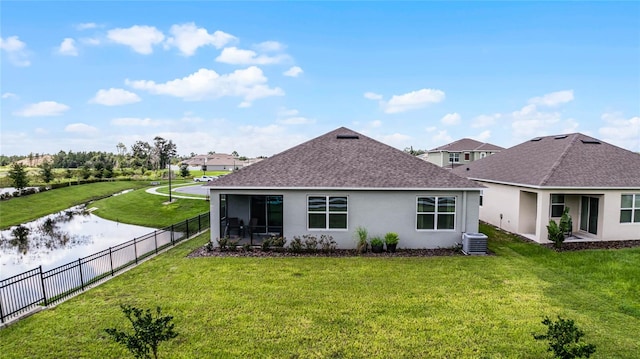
233 225
253 225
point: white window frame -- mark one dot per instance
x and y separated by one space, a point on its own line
435 214
328 213
454 157
634 197
551 205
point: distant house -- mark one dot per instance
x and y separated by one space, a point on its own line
342 180
533 182
219 162
460 152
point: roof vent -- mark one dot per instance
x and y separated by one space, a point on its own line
595 142
536 139
347 137
560 137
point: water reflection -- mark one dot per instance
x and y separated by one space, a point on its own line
60 238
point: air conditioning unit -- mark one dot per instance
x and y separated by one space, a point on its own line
474 243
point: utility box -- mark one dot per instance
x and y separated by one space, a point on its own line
474 243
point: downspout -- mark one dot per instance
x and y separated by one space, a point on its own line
464 211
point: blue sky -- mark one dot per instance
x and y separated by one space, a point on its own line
260 77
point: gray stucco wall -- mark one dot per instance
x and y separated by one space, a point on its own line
378 211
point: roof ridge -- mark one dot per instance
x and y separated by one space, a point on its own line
556 164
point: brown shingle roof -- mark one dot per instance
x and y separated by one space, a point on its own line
467 144
354 161
572 160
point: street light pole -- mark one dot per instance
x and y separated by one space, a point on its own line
169 179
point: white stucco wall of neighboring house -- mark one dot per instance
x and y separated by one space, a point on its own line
378 211
527 211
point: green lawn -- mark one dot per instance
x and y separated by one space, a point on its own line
144 209
359 307
24 209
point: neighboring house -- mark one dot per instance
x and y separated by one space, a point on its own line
460 152
533 182
219 162
342 180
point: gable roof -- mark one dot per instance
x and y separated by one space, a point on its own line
344 159
572 160
467 144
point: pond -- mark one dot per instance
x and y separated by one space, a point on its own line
60 238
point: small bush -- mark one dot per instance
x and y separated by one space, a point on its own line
391 238
327 244
361 239
266 245
278 242
564 337
223 243
296 245
310 243
555 234
148 331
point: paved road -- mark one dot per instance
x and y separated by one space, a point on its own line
185 190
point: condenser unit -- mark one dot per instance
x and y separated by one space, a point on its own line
474 243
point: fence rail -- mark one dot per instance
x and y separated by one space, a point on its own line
23 292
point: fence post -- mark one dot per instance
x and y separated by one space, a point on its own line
135 250
187 225
1 312
172 242
44 292
111 261
80 268
199 224
155 235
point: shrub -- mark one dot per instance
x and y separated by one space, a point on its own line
148 331
391 238
564 337
233 245
296 245
266 244
376 241
310 242
223 243
278 242
327 244
555 234
361 239
566 223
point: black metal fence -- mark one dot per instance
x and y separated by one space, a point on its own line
23 292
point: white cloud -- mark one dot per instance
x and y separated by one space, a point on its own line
485 120
441 138
115 97
413 100
90 41
235 56
483 136
451 119
16 50
249 84
41 131
376 123
372 96
8 95
81 128
269 46
529 122
86 26
294 71
188 38
621 131
245 104
140 38
42 109
396 140
68 47
553 99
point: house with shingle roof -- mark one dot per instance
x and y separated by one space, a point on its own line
533 182
343 180
460 152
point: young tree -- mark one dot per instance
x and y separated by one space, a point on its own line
564 339
46 171
184 170
18 175
163 151
149 331
141 155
